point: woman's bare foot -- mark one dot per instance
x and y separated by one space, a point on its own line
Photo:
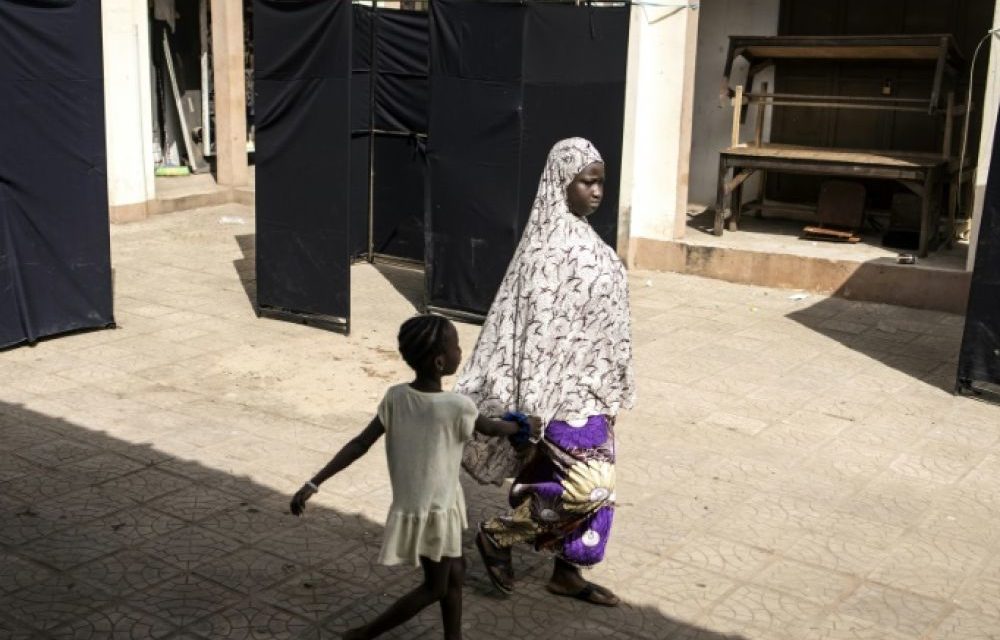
569 582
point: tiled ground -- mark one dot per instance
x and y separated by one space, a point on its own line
795 469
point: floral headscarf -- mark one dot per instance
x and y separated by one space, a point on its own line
557 341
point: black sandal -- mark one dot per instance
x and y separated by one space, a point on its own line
492 563
604 598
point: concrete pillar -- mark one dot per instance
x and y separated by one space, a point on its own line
128 108
230 93
991 101
657 133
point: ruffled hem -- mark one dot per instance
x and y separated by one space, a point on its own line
433 535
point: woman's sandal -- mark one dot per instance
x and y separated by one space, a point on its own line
493 563
590 593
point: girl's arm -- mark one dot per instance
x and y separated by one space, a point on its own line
491 427
351 451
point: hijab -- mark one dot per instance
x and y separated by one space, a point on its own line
556 342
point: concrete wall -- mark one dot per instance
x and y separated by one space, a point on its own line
712 122
991 101
128 108
657 140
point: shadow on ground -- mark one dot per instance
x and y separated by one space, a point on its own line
246 268
921 344
104 538
408 281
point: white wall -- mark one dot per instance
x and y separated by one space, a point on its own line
128 106
991 101
712 123
656 144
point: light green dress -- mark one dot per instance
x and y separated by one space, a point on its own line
425 437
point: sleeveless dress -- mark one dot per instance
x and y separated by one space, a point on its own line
425 437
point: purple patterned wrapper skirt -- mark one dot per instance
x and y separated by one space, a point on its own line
563 499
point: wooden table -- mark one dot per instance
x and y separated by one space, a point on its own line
922 173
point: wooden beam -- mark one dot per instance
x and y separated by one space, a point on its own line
948 125
738 179
758 135
737 109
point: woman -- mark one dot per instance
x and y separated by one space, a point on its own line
556 343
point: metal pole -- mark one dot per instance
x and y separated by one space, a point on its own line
371 134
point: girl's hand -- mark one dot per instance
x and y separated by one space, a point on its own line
298 504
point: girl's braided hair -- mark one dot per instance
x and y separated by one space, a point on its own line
421 338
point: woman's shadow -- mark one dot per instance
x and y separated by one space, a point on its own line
100 536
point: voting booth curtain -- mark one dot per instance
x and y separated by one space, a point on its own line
55 255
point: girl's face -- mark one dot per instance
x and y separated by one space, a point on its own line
451 357
585 193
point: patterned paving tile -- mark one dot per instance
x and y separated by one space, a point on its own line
17 572
252 620
765 609
118 622
195 503
70 546
190 547
965 625
82 506
53 602
249 570
314 596
185 599
145 485
125 573
894 609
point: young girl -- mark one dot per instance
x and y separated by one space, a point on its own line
426 429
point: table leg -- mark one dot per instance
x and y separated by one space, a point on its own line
720 197
925 216
736 202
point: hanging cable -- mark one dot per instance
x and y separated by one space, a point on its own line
965 124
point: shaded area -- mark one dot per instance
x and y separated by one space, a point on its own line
921 344
246 268
100 537
408 281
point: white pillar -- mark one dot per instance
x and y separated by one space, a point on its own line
128 108
657 132
991 100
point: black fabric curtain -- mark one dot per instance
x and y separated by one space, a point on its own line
303 83
55 256
396 44
979 360
508 80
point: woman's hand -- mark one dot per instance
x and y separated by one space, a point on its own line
298 504
536 427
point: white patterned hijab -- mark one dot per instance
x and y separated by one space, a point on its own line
557 340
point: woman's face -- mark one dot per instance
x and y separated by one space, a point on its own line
585 193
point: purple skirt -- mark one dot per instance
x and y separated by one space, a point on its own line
563 498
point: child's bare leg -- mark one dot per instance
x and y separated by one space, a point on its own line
433 589
451 604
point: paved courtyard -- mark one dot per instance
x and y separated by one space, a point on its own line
795 469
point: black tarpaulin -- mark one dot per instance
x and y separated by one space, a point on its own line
397 44
303 83
508 80
979 360
55 258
